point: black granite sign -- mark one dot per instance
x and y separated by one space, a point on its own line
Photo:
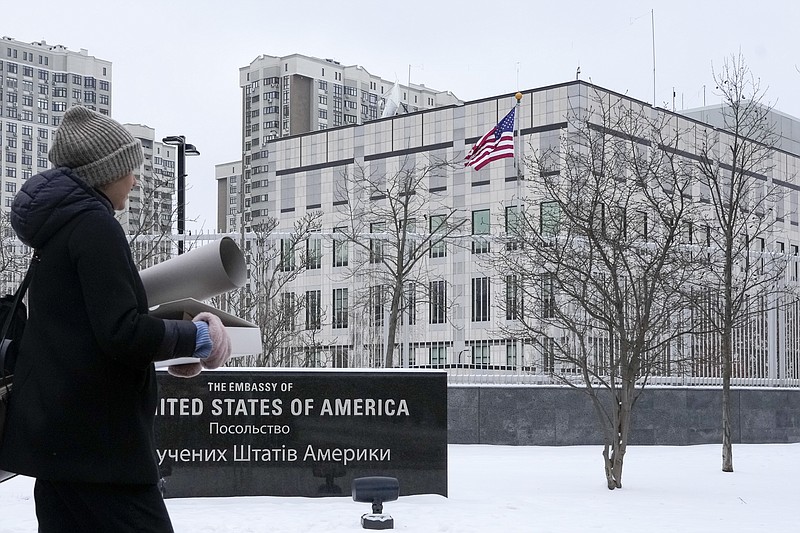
301 433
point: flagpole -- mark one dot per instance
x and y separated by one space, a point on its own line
519 345
518 137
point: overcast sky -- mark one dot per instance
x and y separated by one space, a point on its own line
176 63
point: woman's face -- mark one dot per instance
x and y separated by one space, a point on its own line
118 191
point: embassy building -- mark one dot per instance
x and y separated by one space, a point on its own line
458 315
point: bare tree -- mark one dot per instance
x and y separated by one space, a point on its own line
14 257
148 220
594 271
275 260
394 223
735 171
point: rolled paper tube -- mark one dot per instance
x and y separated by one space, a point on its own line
201 273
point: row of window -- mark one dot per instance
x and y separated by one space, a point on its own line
26 56
438 304
27 131
88 82
437 355
27 144
44 104
26 159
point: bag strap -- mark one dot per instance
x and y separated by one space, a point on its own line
17 299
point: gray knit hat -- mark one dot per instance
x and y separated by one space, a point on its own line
98 148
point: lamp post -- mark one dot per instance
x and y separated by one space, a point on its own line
184 149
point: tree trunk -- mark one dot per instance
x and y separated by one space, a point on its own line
727 366
727 445
393 316
617 442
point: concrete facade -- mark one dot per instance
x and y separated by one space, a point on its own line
560 416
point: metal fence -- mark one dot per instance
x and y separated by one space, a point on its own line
766 350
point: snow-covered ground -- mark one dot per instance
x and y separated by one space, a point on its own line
526 489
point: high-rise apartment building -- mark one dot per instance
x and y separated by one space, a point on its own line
297 94
150 210
38 83
229 183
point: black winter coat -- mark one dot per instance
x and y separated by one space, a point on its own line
84 397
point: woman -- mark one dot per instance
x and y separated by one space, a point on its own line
81 414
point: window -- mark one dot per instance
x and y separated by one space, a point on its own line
480 226
376 305
480 299
511 354
549 218
438 354
339 308
410 304
437 302
481 354
513 228
549 354
59 77
103 85
376 242
314 253
340 355
340 258
313 309
548 296
438 245
287 261
513 298
411 356
643 225
59 106
409 232
287 311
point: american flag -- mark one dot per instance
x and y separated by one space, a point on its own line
496 144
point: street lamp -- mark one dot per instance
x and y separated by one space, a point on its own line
184 149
